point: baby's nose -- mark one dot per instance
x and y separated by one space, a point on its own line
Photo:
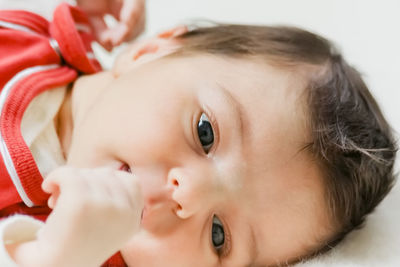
153 184
192 194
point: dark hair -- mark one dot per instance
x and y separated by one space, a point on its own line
351 140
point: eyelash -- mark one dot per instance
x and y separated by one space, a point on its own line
214 126
225 250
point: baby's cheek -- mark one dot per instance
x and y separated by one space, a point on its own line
145 250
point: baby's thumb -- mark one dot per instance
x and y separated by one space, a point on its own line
51 185
53 189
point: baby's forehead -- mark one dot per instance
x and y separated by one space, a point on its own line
269 91
272 96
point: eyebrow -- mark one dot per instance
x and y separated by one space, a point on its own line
237 106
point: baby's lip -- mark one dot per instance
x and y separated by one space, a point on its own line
143 214
151 217
158 215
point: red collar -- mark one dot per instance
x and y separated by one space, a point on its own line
35 56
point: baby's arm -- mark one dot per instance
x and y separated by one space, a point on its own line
95 213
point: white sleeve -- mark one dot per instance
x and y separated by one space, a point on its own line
17 228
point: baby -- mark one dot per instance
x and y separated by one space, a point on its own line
221 146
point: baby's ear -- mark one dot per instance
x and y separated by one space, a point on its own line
140 52
174 32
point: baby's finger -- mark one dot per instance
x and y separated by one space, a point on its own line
50 184
118 34
100 31
131 190
59 178
52 201
131 11
132 20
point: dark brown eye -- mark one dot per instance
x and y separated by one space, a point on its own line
205 133
217 234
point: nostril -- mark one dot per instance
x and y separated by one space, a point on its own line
177 209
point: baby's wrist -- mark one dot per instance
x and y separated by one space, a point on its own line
33 254
36 253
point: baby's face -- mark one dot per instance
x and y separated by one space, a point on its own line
216 145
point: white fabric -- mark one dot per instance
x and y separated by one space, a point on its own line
375 245
39 132
16 229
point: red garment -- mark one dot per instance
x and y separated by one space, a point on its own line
35 56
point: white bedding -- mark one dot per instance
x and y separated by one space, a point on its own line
377 244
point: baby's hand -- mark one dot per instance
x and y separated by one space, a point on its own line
129 13
96 211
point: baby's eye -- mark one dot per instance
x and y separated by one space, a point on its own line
217 234
205 132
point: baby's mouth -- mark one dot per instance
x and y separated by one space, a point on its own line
125 167
157 214
143 215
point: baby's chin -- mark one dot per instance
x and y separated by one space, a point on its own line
141 251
